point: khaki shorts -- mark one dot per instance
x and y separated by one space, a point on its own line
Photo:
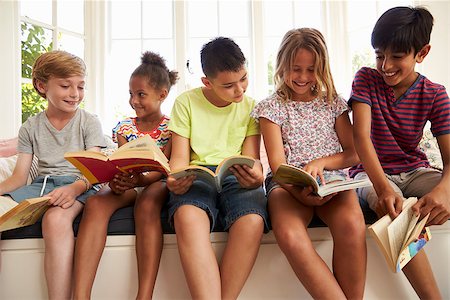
416 183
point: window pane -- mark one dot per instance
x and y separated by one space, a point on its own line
195 67
71 44
202 18
361 14
162 47
278 17
125 57
35 41
126 19
234 18
157 21
71 15
40 10
308 14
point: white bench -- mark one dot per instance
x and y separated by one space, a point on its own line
22 275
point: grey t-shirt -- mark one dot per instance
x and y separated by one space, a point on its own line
38 136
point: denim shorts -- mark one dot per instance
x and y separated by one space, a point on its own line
34 189
225 207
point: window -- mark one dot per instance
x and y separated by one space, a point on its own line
46 25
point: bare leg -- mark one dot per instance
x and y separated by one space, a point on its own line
421 277
240 254
92 235
59 242
196 253
345 220
289 222
149 236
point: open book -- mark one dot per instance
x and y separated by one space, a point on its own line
27 212
400 239
288 174
140 155
222 170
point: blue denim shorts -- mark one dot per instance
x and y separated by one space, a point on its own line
34 189
225 207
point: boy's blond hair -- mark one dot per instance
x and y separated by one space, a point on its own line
59 64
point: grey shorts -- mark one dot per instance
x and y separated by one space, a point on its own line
34 189
415 183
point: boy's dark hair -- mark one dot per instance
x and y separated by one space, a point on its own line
402 28
221 54
153 68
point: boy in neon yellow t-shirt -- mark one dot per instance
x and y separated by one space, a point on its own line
209 124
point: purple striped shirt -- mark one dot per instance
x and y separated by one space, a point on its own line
397 124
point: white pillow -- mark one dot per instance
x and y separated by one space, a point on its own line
7 165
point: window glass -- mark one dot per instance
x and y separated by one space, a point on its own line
66 12
157 19
35 40
278 17
72 44
37 10
126 19
233 18
125 57
41 32
202 18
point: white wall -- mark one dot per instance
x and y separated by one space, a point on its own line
436 65
10 113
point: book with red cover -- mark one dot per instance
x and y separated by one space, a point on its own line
140 155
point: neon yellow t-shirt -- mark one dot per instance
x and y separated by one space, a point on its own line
215 133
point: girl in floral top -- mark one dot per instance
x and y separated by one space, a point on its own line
149 86
306 124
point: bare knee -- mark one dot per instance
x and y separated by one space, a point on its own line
56 223
97 208
251 224
147 210
291 240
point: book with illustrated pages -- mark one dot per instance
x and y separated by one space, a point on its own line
27 212
288 174
402 238
139 155
222 170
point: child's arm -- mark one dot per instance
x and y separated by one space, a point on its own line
348 157
125 181
437 202
19 176
388 201
180 157
250 177
275 153
65 196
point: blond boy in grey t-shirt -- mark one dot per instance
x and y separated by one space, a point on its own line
59 77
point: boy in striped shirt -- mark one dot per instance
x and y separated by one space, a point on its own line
391 106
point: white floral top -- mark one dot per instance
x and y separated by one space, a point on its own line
307 128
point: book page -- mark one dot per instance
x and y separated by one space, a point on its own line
296 176
415 231
342 185
199 171
223 171
378 231
400 226
25 213
6 203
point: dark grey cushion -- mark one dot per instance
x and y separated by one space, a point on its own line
122 223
